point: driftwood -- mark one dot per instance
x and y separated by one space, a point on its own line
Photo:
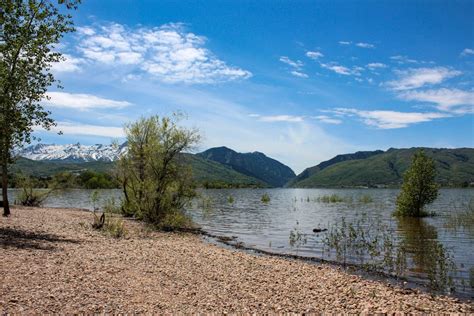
98 224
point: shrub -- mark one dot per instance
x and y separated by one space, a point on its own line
28 195
155 181
419 187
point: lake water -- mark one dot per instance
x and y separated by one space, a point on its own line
435 251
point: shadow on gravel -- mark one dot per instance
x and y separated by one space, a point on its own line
17 238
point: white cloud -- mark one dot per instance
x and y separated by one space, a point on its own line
73 128
450 100
299 74
345 43
168 53
373 66
390 119
365 45
337 68
327 119
419 77
281 118
295 64
81 101
342 70
69 64
85 30
314 55
467 51
403 60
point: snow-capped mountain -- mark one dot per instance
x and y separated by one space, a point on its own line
72 152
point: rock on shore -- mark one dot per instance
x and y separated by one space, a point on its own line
52 262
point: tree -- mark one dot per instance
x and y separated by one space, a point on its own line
419 187
155 181
28 34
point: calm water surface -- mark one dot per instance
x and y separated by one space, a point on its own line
433 248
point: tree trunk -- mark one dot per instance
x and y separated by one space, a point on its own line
6 205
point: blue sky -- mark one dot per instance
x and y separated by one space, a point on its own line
300 81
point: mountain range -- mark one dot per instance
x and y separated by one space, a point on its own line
223 167
455 167
215 167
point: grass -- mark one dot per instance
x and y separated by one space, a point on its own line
376 246
333 198
265 198
463 218
366 198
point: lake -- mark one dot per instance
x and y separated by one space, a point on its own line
357 229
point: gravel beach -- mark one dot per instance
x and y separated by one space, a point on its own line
52 262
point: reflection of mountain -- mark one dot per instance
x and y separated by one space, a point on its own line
420 243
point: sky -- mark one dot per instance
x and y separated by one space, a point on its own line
300 81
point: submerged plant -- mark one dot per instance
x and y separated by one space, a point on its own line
265 198
366 198
374 246
333 198
296 238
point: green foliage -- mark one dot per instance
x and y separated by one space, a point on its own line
419 187
333 198
114 226
374 245
265 198
29 196
156 183
94 180
230 199
30 32
366 198
455 168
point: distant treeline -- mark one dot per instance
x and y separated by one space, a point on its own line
86 179
89 179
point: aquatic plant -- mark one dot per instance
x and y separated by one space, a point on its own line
374 246
296 238
230 199
366 198
462 217
333 198
265 198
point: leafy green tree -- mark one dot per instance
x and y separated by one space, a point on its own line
155 181
28 34
419 187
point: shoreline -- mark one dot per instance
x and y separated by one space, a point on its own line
54 262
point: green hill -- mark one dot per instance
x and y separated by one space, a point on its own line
212 174
255 165
206 173
455 168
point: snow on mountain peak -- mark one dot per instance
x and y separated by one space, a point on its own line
72 152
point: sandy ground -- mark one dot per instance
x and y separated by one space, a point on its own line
51 261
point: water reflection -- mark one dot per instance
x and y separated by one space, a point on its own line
419 240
